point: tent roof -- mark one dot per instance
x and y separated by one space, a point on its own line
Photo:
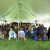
24 10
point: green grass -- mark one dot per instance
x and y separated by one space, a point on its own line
29 44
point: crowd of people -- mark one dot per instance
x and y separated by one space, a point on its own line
35 31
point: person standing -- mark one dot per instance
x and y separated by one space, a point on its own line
48 34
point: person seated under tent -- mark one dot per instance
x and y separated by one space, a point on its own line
42 32
32 32
12 34
16 29
48 34
21 34
35 33
25 29
3 32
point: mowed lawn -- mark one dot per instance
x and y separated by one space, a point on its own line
29 44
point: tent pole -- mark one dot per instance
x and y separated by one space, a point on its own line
19 14
18 17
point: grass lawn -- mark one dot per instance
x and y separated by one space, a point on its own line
29 44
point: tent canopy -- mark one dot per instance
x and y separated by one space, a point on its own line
25 10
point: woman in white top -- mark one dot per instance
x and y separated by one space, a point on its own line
21 34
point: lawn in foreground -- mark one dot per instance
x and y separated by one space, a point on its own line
29 44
